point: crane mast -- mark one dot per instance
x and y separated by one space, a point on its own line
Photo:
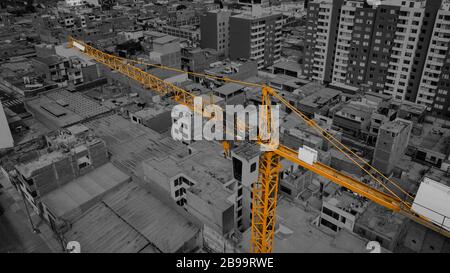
265 189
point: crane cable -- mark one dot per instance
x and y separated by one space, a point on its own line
309 121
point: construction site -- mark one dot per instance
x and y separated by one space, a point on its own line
97 162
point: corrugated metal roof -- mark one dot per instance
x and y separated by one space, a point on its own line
78 195
101 230
164 227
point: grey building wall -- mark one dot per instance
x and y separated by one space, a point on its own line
431 10
214 31
240 38
391 146
385 22
443 90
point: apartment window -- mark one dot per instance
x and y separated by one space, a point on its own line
253 167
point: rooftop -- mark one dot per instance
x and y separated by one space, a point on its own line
77 196
50 60
433 137
59 115
133 143
165 39
247 150
27 168
229 88
77 102
297 234
131 220
381 220
288 65
347 201
163 73
320 97
395 126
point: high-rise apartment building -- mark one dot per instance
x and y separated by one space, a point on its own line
435 84
320 41
256 36
385 48
214 31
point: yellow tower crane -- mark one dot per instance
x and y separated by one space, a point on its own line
264 200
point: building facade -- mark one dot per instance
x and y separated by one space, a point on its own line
389 48
256 37
215 31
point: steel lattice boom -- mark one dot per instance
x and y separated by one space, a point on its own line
265 190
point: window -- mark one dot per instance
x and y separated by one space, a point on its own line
83 162
330 213
253 167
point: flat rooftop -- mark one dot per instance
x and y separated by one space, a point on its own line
296 234
76 196
381 220
395 126
64 118
165 39
131 220
228 88
288 65
132 143
77 102
433 137
247 150
320 97
347 201
163 74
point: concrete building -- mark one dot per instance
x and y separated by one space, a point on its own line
53 68
430 143
257 37
340 209
432 91
354 117
215 31
189 32
381 225
197 59
236 70
74 159
62 108
320 43
287 67
318 102
202 183
392 141
245 160
166 51
361 47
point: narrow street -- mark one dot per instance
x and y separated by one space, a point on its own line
16 235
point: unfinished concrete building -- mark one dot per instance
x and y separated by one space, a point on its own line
63 180
392 141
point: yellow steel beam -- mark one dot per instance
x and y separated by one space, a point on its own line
164 88
379 197
264 203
